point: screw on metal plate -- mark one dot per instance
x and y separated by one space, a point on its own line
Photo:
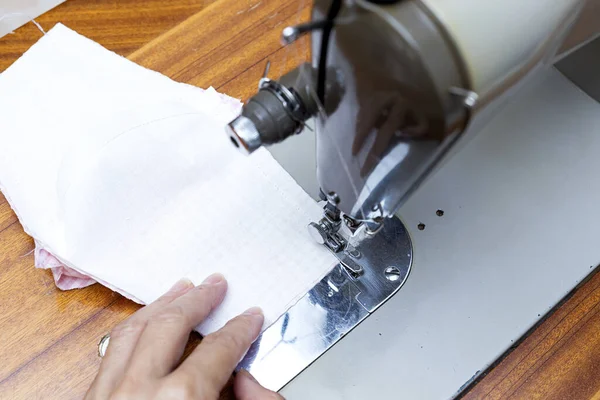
392 273
352 252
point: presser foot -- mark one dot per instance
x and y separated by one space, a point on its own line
371 269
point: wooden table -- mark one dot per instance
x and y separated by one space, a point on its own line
48 337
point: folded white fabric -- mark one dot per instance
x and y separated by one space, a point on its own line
127 177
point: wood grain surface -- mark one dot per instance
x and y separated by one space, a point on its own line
48 337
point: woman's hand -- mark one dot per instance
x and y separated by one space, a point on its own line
142 358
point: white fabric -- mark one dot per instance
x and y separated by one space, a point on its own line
128 177
14 13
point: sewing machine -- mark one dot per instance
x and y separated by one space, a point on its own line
394 89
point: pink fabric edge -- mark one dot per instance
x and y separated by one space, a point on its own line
65 278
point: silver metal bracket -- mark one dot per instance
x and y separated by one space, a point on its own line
292 33
335 305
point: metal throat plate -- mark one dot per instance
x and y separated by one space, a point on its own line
333 307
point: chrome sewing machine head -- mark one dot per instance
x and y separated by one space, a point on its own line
389 96
392 85
386 107
391 90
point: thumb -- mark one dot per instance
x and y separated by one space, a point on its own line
247 388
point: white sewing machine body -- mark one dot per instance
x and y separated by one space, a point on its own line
500 223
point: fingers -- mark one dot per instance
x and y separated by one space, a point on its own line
161 344
213 361
145 348
247 388
124 337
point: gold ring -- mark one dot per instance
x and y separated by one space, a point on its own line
103 345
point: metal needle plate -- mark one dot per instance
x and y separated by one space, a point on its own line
333 307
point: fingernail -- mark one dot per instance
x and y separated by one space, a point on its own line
248 375
181 285
254 311
214 279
